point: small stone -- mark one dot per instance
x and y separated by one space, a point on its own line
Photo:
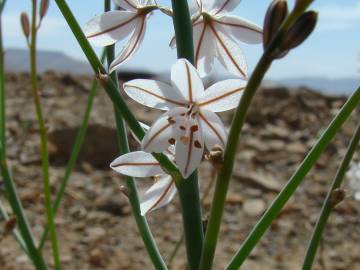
254 207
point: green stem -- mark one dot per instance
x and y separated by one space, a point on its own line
22 222
328 206
289 189
25 238
2 90
74 153
188 189
224 176
123 143
15 232
43 139
110 86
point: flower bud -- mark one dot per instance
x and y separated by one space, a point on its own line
44 6
275 15
337 196
25 24
300 30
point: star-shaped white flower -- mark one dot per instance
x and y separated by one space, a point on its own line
190 122
142 164
216 35
112 26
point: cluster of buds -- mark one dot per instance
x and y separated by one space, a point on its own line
25 21
294 35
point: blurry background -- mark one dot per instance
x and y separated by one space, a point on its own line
95 225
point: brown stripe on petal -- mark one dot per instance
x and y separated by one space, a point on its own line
189 152
227 50
156 95
130 4
151 139
207 102
136 164
112 28
190 85
217 133
134 46
198 48
162 196
238 25
222 7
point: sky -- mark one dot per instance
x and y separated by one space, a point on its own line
332 51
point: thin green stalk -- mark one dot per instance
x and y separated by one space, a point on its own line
224 176
22 222
74 153
15 232
110 86
43 139
328 204
188 189
291 186
2 89
123 143
25 238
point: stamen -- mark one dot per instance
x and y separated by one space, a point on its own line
197 144
194 128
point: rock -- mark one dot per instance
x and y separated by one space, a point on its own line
264 182
96 257
254 207
234 198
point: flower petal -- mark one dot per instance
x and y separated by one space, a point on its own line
186 79
240 29
189 150
137 164
109 27
127 4
133 44
222 96
205 49
213 129
159 195
222 6
154 94
161 133
228 52
172 43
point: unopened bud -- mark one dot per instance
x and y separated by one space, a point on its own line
44 6
337 196
300 30
10 225
216 155
25 24
275 15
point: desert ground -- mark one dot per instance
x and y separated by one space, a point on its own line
95 225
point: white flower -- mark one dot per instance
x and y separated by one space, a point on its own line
142 164
216 35
190 121
112 26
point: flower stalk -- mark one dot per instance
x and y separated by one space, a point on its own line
224 176
123 144
189 188
328 205
43 138
293 183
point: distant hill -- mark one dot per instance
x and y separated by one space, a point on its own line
343 86
17 60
